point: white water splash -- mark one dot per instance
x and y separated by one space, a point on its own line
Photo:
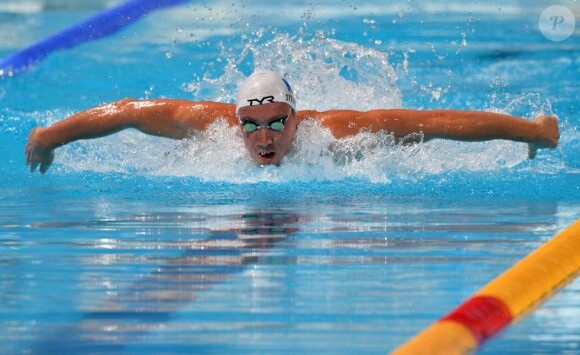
218 154
325 73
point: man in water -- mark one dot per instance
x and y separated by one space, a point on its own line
265 111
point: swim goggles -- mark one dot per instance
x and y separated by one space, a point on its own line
276 125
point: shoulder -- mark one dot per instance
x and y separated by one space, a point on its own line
341 123
304 114
206 107
200 114
344 123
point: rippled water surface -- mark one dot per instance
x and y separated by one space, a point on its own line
141 244
126 271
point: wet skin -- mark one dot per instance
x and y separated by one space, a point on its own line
180 119
267 146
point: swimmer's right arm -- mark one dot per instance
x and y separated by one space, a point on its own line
165 118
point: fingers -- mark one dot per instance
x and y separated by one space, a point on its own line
33 166
549 134
35 155
557 136
27 154
28 149
41 164
46 163
532 152
552 124
30 158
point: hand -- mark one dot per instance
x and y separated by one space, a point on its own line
37 152
548 135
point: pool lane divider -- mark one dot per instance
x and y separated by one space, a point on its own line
532 280
100 25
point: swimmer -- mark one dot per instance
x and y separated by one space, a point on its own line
265 112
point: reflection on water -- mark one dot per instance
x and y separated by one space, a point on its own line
203 280
128 312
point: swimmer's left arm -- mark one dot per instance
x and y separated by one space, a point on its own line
469 126
474 126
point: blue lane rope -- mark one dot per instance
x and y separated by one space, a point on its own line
100 25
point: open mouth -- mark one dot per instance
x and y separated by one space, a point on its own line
266 157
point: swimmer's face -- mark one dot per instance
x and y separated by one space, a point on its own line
266 145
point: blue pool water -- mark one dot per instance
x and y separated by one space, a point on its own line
138 244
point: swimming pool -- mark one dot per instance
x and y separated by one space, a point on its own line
141 244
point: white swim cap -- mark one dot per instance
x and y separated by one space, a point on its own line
264 87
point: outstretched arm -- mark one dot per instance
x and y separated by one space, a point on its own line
470 126
166 118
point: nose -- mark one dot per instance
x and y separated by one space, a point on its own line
263 138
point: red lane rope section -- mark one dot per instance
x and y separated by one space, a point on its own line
483 315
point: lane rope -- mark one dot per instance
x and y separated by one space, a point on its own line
100 25
531 281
